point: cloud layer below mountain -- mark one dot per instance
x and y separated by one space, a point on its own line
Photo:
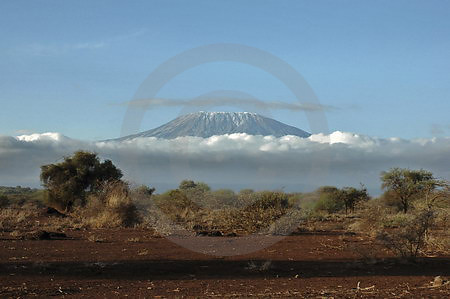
234 161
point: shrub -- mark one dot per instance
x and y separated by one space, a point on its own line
264 209
199 196
295 199
246 192
407 240
269 200
371 217
329 201
197 192
250 220
224 197
176 205
112 206
244 198
287 224
156 219
4 201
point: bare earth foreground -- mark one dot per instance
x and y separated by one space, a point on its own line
134 263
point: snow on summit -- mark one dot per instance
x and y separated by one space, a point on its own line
207 124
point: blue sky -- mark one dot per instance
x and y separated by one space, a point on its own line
69 66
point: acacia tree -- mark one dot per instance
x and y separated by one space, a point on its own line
333 199
351 196
187 184
407 185
435 191
77 176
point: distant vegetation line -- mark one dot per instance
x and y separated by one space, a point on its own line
18 190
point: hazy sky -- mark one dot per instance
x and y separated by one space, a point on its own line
66 66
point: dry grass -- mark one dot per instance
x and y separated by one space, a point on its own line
18 218
370 217
438 242
421 231
113 207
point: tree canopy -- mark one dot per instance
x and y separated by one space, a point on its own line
407 185
73 179
189 184
351 196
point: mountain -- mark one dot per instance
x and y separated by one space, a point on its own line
206 124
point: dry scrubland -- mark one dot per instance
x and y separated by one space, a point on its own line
113 246
338 242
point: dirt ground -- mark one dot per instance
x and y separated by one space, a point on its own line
134 263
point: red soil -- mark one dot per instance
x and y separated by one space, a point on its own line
133 263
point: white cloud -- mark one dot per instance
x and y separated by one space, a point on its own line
236 160
41 137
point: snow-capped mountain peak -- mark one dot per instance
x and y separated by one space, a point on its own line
207 124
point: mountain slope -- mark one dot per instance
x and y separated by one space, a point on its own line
207 124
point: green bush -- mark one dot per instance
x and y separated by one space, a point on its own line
295 199
176 205
224 197
329 204
329 200
71 181
189 184
4 201
332 199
